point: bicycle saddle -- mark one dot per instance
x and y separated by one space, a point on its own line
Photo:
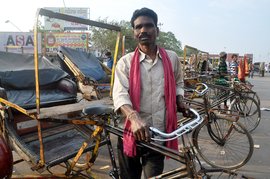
97 109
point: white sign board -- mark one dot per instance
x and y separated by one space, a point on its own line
19 42
56 24
54 40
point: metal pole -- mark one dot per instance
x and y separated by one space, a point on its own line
115 60
8 21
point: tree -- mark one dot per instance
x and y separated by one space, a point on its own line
169 41
105 40
102 39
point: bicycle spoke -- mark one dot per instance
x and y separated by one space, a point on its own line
234 150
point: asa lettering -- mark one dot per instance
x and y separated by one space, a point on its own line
20 40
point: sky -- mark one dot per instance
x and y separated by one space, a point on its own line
234 26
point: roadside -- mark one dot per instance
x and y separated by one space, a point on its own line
258 167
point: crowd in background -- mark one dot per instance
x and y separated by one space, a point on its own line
235 66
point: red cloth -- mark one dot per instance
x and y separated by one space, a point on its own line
246 66
243 69
135 92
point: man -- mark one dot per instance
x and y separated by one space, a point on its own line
192 62
234 66
262 68
147 89
222 66
223 73
205 65
109 59
251 69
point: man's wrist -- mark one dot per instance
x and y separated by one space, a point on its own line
128 111
179 99
130 114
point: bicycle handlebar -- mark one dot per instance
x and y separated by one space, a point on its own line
179 131
201 93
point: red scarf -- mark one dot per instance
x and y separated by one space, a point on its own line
135 92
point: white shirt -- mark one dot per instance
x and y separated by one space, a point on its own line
152 107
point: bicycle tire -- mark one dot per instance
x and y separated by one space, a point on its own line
249 112
256 97
232 154
253 94
219 173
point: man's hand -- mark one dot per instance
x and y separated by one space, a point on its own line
139 127
181 106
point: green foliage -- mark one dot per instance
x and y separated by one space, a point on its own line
127 32
105 40
169 41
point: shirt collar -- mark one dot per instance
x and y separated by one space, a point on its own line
143 56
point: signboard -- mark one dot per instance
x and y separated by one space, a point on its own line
77 41
60 25
18 42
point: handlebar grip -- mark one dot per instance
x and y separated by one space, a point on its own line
179 131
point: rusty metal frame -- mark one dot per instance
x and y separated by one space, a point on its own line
51 14
36 114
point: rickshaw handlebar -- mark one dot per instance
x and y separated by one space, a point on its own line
184 128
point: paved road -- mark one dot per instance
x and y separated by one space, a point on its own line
258 167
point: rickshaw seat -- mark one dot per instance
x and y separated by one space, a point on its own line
99 109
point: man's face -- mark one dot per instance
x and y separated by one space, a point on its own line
205 57
223 57
145 31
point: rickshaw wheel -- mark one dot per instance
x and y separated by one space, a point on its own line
6 159
3 116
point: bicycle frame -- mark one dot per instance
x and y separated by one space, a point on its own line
185 157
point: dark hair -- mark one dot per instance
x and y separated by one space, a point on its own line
144 12
223 54
234 55
108 54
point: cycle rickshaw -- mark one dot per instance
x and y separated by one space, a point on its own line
47 134
41 117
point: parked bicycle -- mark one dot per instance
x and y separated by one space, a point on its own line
221 140
239 99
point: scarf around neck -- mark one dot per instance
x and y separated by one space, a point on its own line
135 92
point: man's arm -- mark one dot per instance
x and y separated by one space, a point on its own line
138 126
122 103
179 80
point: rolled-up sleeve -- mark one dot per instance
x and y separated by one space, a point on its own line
179 79
178 73
121 84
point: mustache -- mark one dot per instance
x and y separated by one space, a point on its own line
144 34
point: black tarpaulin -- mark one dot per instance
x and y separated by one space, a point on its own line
17 78
88 63
17 71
